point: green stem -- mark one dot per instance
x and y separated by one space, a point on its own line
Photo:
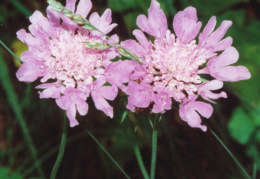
140 162
230 153
10 51
154 151
61 150
13 101
106 152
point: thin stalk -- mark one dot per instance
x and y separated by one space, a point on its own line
154 152
61 149
13 101
106 152
230 153
140 162
10 51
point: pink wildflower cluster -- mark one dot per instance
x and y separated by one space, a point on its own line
171 66
57 54
173 62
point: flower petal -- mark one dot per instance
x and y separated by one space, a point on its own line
70 5
231 73
84 7
102 104
185 24
156 24
71 114
53 17
82 107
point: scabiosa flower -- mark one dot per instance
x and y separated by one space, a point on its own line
173 62
70 73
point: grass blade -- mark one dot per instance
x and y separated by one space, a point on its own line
61 149
106 152
230 153
154 152
10 51
140 162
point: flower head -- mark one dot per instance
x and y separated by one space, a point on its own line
70 73
173 62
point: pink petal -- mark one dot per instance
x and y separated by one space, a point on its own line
208 29
144 25
204 109
29 72
140 95
108 92
102 104
50 92
205 90
188 113
84 7
99 82
82 107
231 73
70 5
37 18
147 45
28 38
224 44
119 72
157 19
158 108
185 24
53 17
156 24
212 40
134 47
71 114
229 56
102 23
27 56
62 102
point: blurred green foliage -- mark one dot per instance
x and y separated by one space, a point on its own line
183 152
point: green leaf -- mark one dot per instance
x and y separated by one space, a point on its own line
241 126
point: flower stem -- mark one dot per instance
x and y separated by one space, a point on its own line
154 151
140 162
230 153
106 152
61 149
10 51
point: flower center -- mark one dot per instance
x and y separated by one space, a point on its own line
72 63
174 65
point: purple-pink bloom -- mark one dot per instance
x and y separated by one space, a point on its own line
173 63
70 73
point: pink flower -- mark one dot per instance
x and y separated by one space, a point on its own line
57 53
172 64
